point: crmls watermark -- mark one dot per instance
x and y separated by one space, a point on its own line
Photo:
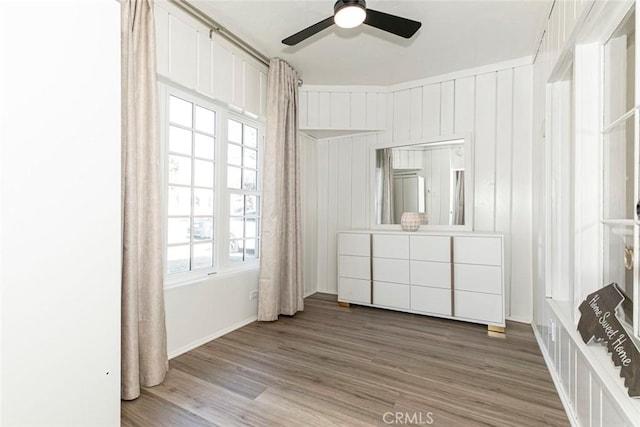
420 418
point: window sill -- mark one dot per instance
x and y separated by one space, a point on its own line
598 359
228 272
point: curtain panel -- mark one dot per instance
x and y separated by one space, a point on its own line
144 338
280 283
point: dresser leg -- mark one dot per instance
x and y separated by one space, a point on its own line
343 304
500 329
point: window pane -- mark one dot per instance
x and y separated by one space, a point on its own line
234 154
178 230
618 263
203 203
202 255
203 228
250 136
179 170
250 158
253 205
180 111
618 171
251 227
236 249
205 120
236 228
205 146
235 131
619 71
203 176
234 177
178 259
179 140
179 201
236 204
251 249
249 180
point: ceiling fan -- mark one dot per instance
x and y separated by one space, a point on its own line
350 14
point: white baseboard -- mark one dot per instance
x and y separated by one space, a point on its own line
566 402
309 293
218 334
526 320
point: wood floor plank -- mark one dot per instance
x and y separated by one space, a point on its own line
344 366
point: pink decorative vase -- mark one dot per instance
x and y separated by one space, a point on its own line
410 221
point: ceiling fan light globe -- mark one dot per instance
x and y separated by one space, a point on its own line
350 16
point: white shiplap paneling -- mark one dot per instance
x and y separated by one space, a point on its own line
415 113
205 73
183 54
489 107
504 135
222 72
401 115
431 110
340 110
213 67
309 207
358 110
521 206
447 107
484 143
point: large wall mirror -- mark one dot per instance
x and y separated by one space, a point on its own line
430 177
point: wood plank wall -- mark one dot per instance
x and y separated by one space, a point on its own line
213 67
494 107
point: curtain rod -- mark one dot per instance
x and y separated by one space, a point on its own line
219 29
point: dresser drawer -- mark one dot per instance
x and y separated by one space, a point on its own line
431 300
477 250
430 248
393 295
478 278
391 270
354 290
486 308
356 267
354 244
427 273
391 246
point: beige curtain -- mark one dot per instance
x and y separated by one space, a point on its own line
144 337
280 284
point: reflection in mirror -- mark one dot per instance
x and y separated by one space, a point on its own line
427 178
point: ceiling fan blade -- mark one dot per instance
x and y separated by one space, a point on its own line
308 32
402 27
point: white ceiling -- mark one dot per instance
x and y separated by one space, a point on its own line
455 35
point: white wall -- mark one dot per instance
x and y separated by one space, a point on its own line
187 58
309 206
495 107
60 219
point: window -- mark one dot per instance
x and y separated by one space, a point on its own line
190 186
619 179
212 182
242 184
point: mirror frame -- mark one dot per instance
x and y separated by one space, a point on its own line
468 182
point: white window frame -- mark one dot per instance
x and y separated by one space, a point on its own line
228 262
221 262
632 114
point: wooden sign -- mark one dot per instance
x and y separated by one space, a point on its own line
598 321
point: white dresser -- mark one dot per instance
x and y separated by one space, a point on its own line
453 275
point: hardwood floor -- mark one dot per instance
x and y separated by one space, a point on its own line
355 366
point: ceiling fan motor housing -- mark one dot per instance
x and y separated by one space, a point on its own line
344 3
